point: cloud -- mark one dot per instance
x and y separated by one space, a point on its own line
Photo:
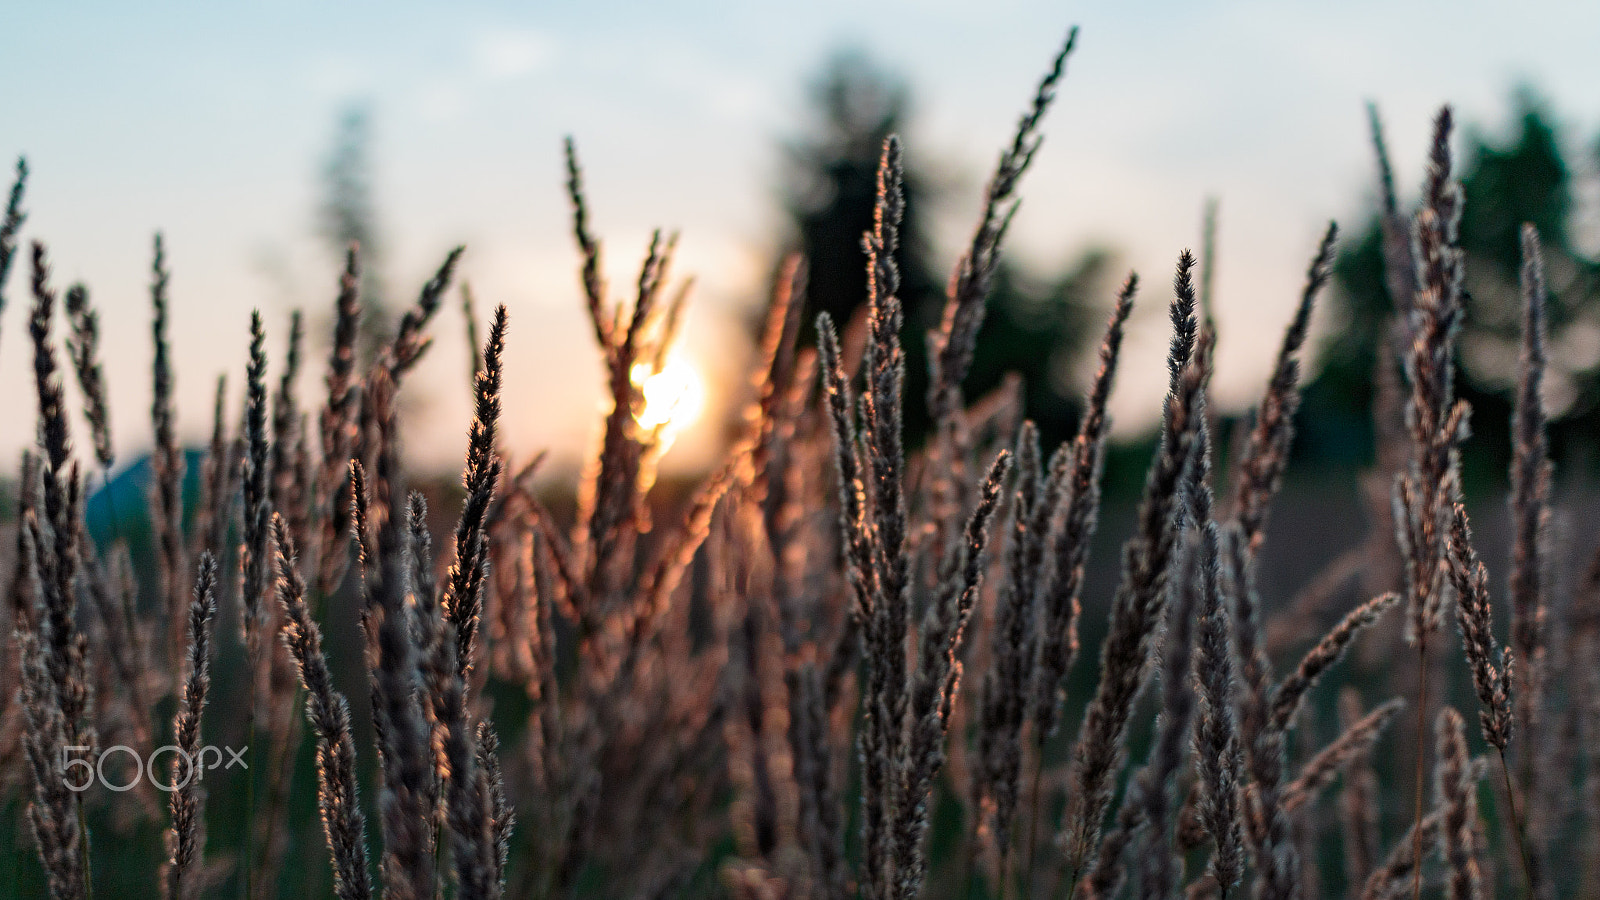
491 58
340 76
507 54
440 101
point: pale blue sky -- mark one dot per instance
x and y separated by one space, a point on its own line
210 121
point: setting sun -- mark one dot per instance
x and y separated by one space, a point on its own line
674 397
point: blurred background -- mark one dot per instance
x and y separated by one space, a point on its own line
260 138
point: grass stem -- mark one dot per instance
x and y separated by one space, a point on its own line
1422 724
1516 827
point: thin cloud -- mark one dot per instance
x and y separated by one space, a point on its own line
505 55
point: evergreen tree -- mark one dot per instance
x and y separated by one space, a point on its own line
830 191
1524 179
1036 329
348 214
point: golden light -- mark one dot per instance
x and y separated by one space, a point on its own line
673 397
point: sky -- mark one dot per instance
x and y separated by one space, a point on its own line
210 122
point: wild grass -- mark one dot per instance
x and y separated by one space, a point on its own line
838 668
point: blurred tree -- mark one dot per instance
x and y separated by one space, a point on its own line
1041 330
348 213
1525 178
830 191
1037 329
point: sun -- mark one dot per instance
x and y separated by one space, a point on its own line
674 397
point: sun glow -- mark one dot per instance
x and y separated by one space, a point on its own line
674 397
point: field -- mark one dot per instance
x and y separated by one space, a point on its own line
841 664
